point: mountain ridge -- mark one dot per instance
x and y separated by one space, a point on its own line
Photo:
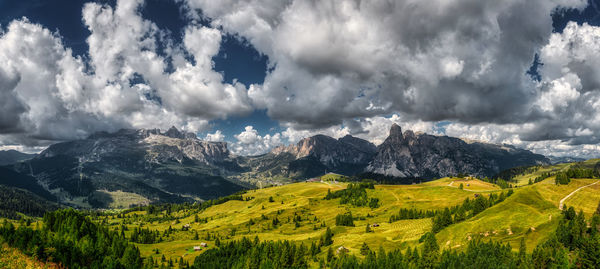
177 166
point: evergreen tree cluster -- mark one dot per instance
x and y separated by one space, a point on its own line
14 201
511 173
563 178
69 238
344 219
355 194
543 176
247 253
412 213
145 236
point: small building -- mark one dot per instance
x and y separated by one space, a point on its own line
476 195
186 226
375 225
197 248
203 244
342 249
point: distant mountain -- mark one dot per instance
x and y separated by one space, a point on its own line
139 166
411 155
564 159
314 156
13 156
132 167
401 155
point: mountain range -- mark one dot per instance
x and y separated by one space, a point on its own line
144 166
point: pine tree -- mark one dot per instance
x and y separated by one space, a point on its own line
329 255
430 251
327 238
364 249
368 228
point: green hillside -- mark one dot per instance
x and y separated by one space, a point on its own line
463 213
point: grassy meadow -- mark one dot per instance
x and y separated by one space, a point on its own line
303 215
532 212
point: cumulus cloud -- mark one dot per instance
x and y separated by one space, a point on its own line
135 77
466 61
335 68
218 136
249 142
345 64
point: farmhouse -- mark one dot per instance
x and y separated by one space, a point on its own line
197 248
203 244
342 249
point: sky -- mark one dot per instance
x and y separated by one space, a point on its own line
259 74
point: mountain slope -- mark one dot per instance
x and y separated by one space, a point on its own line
426 156
314 156
15 200
10 178
13 156
161 167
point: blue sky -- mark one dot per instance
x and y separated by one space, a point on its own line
299 69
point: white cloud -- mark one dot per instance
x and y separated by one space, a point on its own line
218 136
434 60
47 94
249 142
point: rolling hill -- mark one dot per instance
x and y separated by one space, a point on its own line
531 213
388 217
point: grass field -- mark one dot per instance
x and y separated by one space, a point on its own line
531 213
231 219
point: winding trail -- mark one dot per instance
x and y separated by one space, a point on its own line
560 204
394 194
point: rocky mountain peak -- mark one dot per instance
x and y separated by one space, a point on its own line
395 130
395 136
173 132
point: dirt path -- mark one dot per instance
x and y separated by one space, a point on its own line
394 194
450 185
560 204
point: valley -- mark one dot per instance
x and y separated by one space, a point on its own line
302 214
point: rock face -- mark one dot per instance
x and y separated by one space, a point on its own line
332 152
173 166
319 154
156 147
427 156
